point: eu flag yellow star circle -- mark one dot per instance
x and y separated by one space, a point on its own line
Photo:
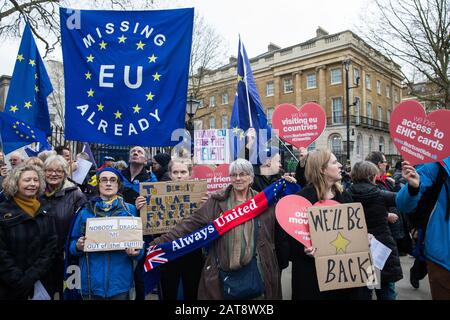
23 130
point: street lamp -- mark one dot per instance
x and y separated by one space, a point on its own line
347 102
191 108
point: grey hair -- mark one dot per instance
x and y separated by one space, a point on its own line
45 154
59 160
11 182
242 165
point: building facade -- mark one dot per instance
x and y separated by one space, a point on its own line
314 71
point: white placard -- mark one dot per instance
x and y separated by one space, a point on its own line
380 253
83 167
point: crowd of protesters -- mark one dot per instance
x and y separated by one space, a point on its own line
43 216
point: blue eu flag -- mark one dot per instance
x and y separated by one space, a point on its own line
28 91
247 108
126 74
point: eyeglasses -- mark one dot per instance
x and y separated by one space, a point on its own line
240 175
110 180
55 171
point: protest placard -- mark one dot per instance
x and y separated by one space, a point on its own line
113 233
342 259
211 146
419 137
299 127
168 203
217 179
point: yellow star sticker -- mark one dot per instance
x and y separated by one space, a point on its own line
36 88
31 62
90 58
136 109
235 130
88 75
14 126
100 106
156 76
150 96
27 105
122 39
340 243
90 92
239 78
20 57
102 45
118 114
140 45
152 58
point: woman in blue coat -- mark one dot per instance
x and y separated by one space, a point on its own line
105 275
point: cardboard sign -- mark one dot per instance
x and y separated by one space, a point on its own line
343 257
299 127
113 233
420 138
211 146
168 203
217 179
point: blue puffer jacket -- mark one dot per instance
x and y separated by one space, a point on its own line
110 272
437 239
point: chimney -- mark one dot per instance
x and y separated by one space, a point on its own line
320 32
272 47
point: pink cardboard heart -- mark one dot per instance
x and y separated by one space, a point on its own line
420 138
292 215
216 179
299 127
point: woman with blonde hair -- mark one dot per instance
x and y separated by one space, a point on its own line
323 173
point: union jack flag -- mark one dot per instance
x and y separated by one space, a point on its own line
154 256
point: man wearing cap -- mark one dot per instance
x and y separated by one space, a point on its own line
107 162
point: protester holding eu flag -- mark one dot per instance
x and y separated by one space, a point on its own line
28 238
28 91
104 275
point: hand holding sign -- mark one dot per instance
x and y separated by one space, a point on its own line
299 127
419 137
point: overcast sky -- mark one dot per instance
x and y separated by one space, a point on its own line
259 22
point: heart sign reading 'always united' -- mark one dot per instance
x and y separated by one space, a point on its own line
299 127
216 179
419 137
292 215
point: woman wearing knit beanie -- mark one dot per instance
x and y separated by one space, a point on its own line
159 166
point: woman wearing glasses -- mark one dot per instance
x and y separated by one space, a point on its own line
65 197
104 275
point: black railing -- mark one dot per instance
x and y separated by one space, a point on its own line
364 122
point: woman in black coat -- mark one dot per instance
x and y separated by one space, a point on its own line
375 203
28 239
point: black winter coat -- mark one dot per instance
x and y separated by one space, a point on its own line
27 249
129 195
375 203
304 276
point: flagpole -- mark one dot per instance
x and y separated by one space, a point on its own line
246 84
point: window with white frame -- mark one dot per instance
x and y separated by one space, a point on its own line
368 82
288 85
370 143
336 76
388 116
225 98
337 112
388 91
311 81
224 122
369 110
381 145
335 144
212 101
355 75
357 110
379 87
269 115
269 89
395 95
380 114
359 144
212 123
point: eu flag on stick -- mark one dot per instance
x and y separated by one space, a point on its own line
28 91
247 108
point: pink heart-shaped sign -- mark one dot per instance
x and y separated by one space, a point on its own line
292 215
420 138
216 179
299 127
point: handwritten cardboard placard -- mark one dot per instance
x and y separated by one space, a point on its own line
211 146
113 233
299 127
168 203
343 257
420 138
217 179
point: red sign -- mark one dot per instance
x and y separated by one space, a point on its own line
420 138
299 127
217 179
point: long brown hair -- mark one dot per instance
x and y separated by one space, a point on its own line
314 172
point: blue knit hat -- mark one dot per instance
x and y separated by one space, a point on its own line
113 170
